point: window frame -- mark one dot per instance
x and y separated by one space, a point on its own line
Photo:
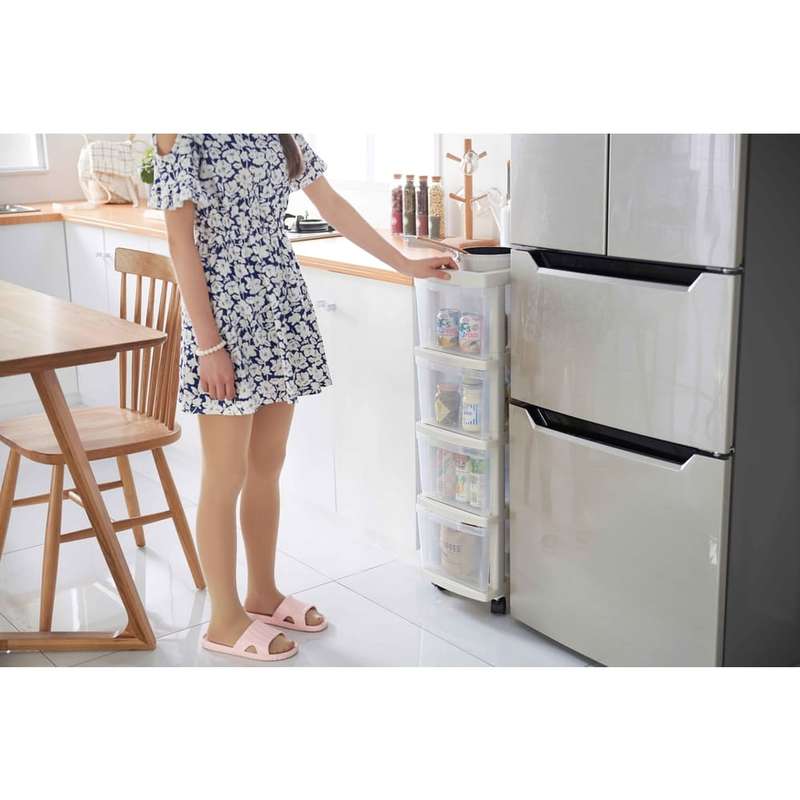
42 166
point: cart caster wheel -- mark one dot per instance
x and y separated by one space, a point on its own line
499 606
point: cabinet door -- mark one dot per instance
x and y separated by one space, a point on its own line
677 198
558 191
374 402
309 469
88 274
33 256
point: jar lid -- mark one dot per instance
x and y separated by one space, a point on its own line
423 177
410 177
436 177
398 175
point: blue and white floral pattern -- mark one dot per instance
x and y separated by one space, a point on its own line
240 187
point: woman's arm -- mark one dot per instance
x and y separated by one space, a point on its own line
216 370
339 213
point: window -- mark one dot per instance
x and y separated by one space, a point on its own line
361 165
360 158
22 152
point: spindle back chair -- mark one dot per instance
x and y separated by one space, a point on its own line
144 420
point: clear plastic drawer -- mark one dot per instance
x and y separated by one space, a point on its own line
460 394
465 315
454 545
460 471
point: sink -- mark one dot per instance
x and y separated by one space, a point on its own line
11 208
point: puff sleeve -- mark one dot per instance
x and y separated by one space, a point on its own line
313 165
176 175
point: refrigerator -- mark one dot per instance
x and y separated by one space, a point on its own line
655 396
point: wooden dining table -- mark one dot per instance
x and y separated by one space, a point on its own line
38 335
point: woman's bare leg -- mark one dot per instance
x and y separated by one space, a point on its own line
225 442
259 508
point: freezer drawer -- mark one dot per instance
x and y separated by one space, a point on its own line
645 353
558 190
616 554
677 197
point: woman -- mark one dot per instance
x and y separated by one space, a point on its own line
250 349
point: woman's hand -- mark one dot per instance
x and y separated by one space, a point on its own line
436 267
217 376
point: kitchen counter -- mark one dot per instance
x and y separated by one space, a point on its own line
333 254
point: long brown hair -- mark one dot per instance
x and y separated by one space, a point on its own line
294 158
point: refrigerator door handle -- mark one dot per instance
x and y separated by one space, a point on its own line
620 444
605 268
612 279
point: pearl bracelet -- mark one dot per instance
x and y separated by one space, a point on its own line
211 350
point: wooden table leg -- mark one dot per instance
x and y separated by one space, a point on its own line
138 635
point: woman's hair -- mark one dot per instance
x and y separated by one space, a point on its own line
294 158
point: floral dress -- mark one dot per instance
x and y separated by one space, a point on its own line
240 186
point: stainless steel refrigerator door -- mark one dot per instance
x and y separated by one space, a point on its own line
616 555
677 198
558 191
650 358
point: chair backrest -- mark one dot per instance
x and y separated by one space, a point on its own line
153 386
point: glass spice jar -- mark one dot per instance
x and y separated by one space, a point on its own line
397 204
422 206
436 209
409 207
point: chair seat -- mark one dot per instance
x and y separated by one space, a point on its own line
105 432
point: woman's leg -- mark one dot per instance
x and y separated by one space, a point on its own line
225 444
259 508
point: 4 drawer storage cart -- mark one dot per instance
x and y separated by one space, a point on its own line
462 433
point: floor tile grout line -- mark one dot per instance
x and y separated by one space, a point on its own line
423 627
416 624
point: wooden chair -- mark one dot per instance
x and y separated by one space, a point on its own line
144 420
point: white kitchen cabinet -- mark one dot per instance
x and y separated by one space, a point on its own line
560 182
677 198
33 255
95 283
374 403
309 471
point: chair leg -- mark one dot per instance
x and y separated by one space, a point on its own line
52 541
7 495
131 498
179 517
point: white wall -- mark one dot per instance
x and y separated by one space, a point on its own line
60 182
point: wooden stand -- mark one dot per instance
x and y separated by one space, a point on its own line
469 163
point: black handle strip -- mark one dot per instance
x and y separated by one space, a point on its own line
611 437
650 271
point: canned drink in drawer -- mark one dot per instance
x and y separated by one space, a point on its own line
447 320
477 482
462 471
470 334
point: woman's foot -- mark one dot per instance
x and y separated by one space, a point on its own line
229 631
267 604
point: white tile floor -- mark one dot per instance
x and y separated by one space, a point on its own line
383 611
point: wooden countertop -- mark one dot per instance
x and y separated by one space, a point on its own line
335 254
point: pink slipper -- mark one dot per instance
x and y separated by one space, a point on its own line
291 609
259 637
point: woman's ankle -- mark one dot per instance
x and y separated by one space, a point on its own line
263 601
